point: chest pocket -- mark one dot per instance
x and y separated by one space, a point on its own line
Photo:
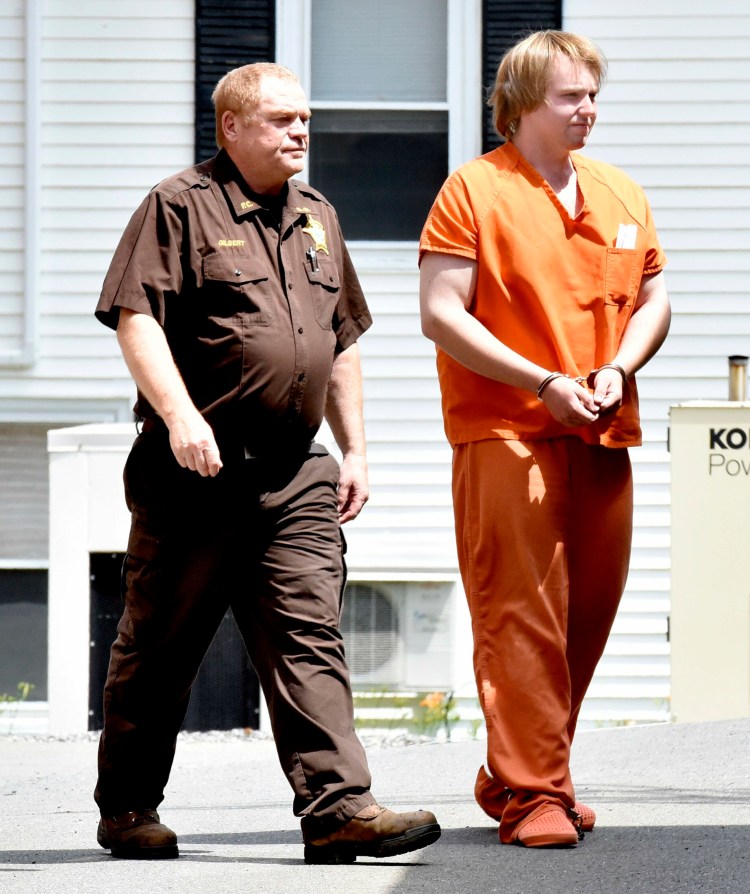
621 276
235 286
325 286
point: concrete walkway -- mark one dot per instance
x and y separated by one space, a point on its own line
673 804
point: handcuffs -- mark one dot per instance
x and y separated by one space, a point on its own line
582 380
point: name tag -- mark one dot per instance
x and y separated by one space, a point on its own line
626 236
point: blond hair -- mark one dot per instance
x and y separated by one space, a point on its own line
239 91
524 73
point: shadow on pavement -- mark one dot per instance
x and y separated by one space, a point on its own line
609 860
637 860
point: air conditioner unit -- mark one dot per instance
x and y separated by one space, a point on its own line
400 635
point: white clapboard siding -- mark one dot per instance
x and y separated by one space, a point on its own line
11 176
117 102
408 523
675 115
116 116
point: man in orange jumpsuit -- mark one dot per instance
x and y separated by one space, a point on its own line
541 285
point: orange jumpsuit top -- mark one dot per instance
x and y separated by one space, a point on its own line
556 290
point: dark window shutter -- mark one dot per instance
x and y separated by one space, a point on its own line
505 22
228 33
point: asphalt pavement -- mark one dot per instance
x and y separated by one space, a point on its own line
673 804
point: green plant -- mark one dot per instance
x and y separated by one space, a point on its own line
393 708
474 726
23 693
436 710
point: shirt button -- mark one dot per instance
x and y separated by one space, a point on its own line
301 377
204 177
300 330
238 273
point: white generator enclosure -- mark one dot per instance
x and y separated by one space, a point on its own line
404 630
710 615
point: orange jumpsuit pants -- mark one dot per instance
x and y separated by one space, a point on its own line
544 531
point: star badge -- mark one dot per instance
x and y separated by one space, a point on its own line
317 233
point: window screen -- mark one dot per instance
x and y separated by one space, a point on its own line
382 52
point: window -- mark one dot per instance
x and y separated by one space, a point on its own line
405 80
23 633
24 513
381 170
379 133
390 85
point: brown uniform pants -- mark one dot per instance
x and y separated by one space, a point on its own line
544 532
262 537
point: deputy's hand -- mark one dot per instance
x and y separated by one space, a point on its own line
570 403
194 446
354 490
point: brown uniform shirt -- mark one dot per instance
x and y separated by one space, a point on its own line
254 310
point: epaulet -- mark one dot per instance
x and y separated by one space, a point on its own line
195 176
309 192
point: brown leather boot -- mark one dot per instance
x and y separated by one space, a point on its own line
374 832
137 835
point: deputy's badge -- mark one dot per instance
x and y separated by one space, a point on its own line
317 233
